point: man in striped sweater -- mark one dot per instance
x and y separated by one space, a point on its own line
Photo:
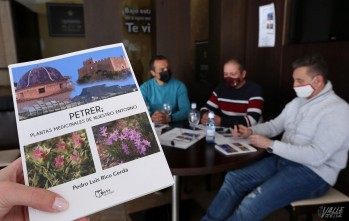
234 101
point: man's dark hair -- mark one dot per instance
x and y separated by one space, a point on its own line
155 58
316 65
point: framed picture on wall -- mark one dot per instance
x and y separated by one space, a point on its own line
65 20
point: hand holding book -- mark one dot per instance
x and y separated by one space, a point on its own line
13 193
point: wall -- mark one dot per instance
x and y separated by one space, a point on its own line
271 67
52 46
173 37
7 44
264 64
110 23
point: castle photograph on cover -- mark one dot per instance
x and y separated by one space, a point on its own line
69 82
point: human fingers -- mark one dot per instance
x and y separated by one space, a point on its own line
155 118
156 113
244 131
217 120
204 118
253 140
259 141
235 132
14 194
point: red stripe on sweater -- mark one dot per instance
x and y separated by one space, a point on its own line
255 104
233 107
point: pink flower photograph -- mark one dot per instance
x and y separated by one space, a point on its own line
124 140
59 160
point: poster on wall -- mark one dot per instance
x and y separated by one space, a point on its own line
267 27
65 20
84 131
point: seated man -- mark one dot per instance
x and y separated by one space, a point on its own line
236 101
163 88
304 164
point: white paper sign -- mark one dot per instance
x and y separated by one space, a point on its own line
267 26
84 131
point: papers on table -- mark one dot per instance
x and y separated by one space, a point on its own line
228 144
234 148
181 138
159 128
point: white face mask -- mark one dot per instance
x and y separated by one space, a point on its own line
304 90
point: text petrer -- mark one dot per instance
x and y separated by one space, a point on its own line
85 112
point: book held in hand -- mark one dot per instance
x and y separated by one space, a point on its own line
85 132
235 148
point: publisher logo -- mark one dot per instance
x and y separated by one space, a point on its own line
327 212
99 193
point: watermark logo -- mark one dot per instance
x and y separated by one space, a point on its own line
326 212
99 193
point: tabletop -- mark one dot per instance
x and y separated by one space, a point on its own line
202 158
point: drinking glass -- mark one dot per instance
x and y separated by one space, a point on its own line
167 108
194 119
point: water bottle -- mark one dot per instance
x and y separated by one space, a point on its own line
193 116
210 128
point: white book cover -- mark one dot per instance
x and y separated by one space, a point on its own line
85 132
235 148
181 138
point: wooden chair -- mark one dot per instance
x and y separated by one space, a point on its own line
337 196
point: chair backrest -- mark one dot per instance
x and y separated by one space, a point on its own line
343 180
8 127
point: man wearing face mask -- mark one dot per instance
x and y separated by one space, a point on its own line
163 88
303 164
234 101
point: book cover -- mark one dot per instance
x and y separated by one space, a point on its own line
85 132
235 148
181 138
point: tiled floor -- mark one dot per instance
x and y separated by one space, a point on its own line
157 206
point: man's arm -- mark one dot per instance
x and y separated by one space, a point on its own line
183 104
211 104
144 92
252 116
